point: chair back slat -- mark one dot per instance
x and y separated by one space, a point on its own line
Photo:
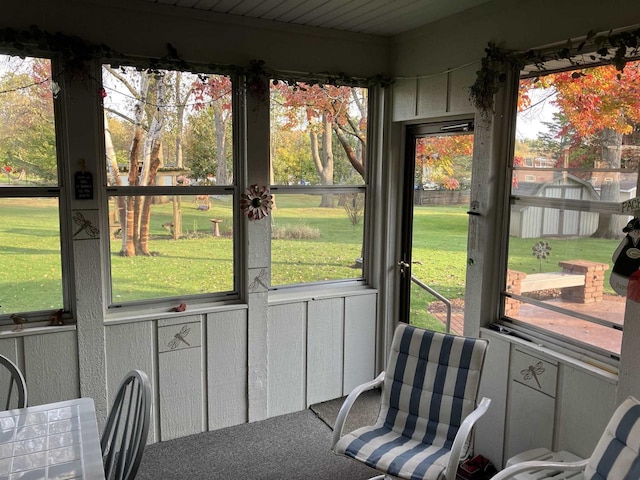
13 382
125 434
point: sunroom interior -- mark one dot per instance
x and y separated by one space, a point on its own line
266 339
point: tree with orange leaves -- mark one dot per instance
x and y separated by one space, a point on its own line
601 105
435 158
328 110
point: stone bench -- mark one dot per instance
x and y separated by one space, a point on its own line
552 280
580 281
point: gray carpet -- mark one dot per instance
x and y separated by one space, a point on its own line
293 446
364 410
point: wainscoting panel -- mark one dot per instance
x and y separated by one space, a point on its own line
131 346
227 368
359 340
181 390
51 367
287 353
324 349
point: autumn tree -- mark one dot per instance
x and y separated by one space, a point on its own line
323 111
438 156
27 136
147 117
211 128
601 105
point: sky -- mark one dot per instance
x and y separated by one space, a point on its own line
530 123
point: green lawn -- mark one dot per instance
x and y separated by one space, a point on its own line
201 263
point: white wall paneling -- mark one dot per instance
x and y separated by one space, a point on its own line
489 432
287 335
459 82
180 370
227 368
10 348
404 103
531 406
359 339
131 346
51 367
586 402
432 94
324 349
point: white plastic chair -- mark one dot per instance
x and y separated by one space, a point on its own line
125 434
16 386
428 407
615 456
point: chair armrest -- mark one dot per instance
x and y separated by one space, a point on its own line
348 403
463 435
513 470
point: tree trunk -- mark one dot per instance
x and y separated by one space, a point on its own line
145 215
128 218
326 175
221 145
151 163
610 226
352 156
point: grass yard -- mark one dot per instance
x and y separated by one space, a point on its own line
440 256
30 277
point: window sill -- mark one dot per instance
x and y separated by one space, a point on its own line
113 318
585 364
9 332
318 292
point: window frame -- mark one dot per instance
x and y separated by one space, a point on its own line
40 318
364 188
196 300
602 358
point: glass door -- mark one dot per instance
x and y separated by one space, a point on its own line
434 246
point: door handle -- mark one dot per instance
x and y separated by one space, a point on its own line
404 267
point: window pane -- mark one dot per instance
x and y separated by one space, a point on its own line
31 273
318 135
172 130
167 128
27 129
575 163
311 243
189 250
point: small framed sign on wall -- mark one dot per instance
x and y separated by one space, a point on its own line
83 185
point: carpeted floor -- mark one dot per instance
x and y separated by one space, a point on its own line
288 447
364 411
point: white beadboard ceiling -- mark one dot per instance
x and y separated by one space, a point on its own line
377 17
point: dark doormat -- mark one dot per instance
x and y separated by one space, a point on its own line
364 411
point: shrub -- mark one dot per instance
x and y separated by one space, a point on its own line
289 232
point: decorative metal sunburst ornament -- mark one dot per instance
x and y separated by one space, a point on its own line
541 250
256 202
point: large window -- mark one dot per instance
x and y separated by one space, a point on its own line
170 184
576 162
31 280
319 179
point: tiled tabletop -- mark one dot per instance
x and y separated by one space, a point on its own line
52 441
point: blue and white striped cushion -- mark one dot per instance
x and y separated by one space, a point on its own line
430 386
616 454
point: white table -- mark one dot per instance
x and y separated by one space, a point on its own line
51 441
